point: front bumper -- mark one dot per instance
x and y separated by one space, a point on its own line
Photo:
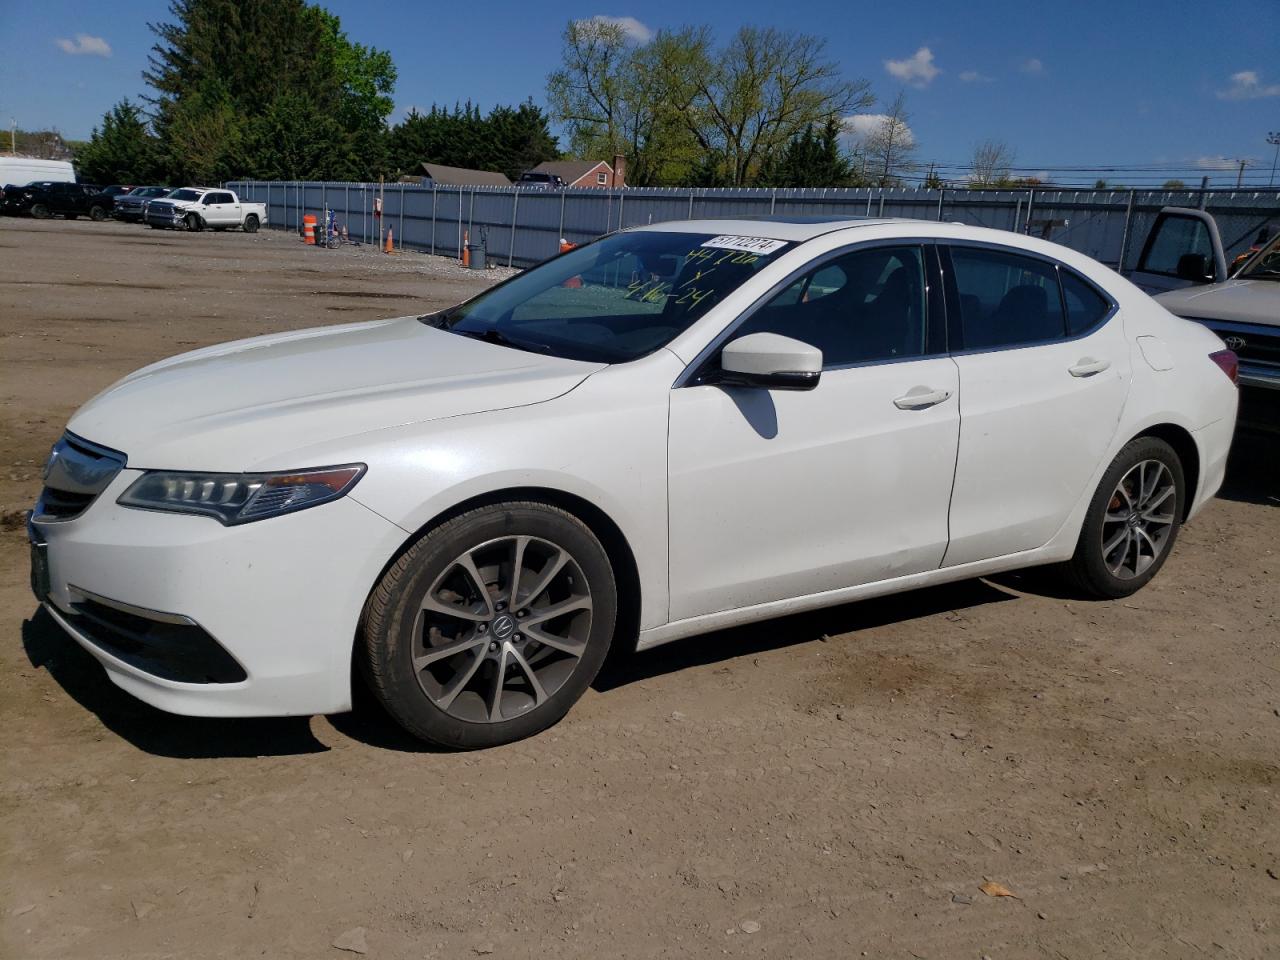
281 597
166 217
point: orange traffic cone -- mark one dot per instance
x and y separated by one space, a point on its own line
390 247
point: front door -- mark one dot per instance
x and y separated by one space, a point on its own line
1044 373
777 494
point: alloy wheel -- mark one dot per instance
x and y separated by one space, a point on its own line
1139 519
501 629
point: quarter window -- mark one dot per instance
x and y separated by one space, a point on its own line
1085 306
864 306
1006 299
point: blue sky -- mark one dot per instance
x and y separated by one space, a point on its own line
1088 83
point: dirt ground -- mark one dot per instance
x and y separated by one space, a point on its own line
830 785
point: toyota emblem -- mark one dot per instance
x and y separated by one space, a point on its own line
1235 343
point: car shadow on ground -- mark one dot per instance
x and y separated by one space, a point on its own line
624 667
1253 470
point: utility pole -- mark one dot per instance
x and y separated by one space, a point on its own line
1273 138
13 136
1240 175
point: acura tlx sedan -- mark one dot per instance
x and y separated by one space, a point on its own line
674 429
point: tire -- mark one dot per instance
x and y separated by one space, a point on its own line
193 223
449 700
1129 529
40 211
251 224
97 214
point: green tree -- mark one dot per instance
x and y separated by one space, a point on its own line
222 71
1174 185
812 158
122 149
682 109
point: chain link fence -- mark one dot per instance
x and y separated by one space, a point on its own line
521 227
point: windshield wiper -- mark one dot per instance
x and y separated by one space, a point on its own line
496 336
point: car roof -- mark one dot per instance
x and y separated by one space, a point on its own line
793 228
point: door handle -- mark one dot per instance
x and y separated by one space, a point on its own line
1087 367
918 398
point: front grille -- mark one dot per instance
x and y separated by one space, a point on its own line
171 647
1251 342
77 471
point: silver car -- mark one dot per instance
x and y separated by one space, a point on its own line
1183 265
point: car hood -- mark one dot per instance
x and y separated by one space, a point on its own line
245 405
1239 301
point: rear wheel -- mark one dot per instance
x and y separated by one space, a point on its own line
97 213
1132 521
491 626
251 224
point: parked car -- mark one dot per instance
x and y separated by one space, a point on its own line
1183 262
194 208
45 199
537 180
23 170
132 206
674 429
117 190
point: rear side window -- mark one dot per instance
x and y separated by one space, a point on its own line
1006 299
1085 306
1175 237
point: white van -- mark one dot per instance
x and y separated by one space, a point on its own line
20 171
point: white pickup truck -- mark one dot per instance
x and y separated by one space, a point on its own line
194 208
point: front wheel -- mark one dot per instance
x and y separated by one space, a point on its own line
1132 521
490 627
39 211
192 223
97 214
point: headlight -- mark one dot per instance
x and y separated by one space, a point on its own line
240 497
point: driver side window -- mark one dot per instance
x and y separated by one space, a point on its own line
864 306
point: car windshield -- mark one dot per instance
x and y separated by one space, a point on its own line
1265 264
185 195
614 300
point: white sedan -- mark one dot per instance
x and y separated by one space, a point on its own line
671 430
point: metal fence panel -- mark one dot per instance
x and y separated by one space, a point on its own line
524 227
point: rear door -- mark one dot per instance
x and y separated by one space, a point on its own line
1182 249
1044 374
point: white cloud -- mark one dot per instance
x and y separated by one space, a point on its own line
633 28
863 125
84 44
973 76
917 70
1247 85
1031 65
1216 163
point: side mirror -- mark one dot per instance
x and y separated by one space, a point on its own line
771 361
1194 267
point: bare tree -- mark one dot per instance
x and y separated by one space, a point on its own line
890 145
991 164
762 89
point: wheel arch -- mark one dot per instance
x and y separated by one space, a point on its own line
615 543
1184 445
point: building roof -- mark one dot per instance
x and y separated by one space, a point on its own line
462 177
569 170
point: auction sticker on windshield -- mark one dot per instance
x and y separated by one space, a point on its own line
760 245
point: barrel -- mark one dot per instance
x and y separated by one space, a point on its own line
309 229
475 256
